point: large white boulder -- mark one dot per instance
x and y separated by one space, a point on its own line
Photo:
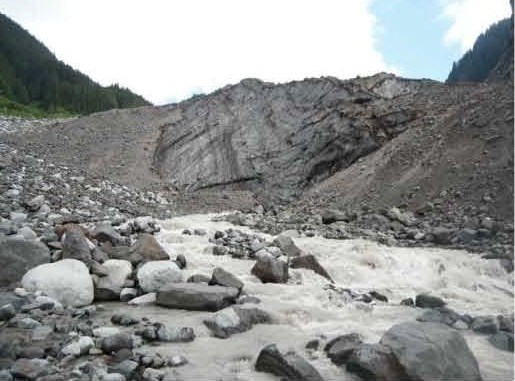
67 281
110 286
156 274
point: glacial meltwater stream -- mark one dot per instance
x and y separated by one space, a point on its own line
304 309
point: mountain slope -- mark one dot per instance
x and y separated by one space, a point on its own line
31 74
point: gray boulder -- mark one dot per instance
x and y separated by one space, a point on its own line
147 249
289 365
31 369
114 343
432 351
485 324
109 287
310 262
340 348
18 256
221 277
332 215
175 334
428 301
155 274
287 246
502 340
375 362
270 270
234 320
75 245
107 233
196 296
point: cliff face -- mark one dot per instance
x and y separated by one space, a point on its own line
277 140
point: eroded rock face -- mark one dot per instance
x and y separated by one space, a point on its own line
281 138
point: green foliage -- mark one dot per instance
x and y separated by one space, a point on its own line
477 63
30 75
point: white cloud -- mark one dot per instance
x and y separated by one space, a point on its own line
166 49
470 18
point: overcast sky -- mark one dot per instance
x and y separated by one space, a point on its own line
167 50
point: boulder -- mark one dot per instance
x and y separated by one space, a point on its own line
31 369
375 362
128 293
198 278
18 256
234 320
310 262
147 249
289 365
340 348
175 334
196 296
116 342
332 215
221 277
72 287
432 351
502 340
485 324
442 315
107 233
79 347
287 246
270 270
156 274
75 245
428 301
109 287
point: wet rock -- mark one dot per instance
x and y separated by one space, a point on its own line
376 295
116 342
105 331
124 319
181 261
442 315
432 351
248 299
287 246
18 256
234 320
375 362
288 365
127 368
109 287
311 263
196 296
442 235
502 340
150 374
220 250
270 270
428 301
107 233
200 232
407 302
506 323
332 215
7 312
485 324
340 348
175 334
147 249
177 360
73 287
128 294
79 347
405 218
27 233
75 245
156 274
149 298
5 375
221 277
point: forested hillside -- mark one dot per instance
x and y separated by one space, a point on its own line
488 50
31 75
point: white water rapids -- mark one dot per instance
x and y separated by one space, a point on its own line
303 310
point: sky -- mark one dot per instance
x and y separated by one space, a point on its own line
168 50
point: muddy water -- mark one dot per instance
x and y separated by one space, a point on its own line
303 309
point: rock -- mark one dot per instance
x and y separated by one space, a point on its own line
221 277
200 232
147 249
485 324
17 217
407 302
506 323
75 245
375 362
31 369
28 323
35 203
109 287
311 263
290 365
244 299
442 235
105 331
107 233
442 315
220 250
428 301
113 377
149 298
124 319
175 334
127 368
287 246
73 287
340 348
332 215
196 296
156 274
18 256
234 320
270 270
116 342
150 374
405 218
177 360
502 340
432 351
376 295
128 294
7 312
79 347
425 208
145 224
5 375
181 261
27 233
198 278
